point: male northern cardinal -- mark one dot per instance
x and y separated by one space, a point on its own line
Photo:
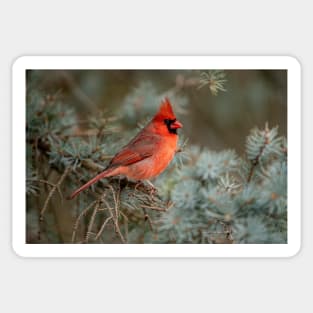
149 153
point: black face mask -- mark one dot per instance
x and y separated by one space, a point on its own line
168 124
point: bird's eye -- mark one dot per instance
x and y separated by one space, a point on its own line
168 122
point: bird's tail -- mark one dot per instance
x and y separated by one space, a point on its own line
107 173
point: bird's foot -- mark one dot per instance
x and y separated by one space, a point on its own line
139 185
153 190
148 187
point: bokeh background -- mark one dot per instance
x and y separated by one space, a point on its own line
252 98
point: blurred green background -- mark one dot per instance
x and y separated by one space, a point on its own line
220 121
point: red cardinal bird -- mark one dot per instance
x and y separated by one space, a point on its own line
149 153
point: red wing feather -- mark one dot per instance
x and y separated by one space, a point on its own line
140 148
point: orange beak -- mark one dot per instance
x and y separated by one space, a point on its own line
176 125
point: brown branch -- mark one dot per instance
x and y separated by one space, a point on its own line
51 193
91 165
148 218
153 208
252 168
83 213
156 208
256 161
91 222
106 221
47 183
116 209
125 225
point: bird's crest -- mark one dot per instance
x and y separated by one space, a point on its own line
165 111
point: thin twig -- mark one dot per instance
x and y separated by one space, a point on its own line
154 208
125 225
91 222
83 213
52 191
148 218
47 183
40 181
107 220
116 209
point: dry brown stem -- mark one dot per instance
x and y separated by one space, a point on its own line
56 187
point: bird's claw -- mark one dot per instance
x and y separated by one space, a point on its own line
153 191
149 187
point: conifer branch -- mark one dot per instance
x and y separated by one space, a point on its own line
56 187
261 144
82 214
91 222
106 221
52 191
